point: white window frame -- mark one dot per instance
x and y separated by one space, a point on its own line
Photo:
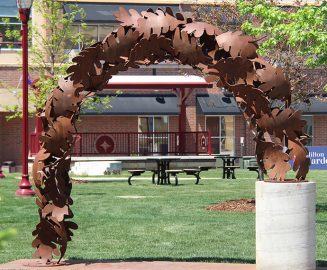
312 135
219 137
153 116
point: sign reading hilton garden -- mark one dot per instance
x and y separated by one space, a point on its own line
318 156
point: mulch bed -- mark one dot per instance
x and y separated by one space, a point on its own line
241 205
76 181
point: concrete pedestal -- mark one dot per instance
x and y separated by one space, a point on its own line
285 226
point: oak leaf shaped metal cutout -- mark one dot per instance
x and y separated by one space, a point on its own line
56 212
273 81
129 18
276 162
230 69
158 23
86 61
117 48
186 49
147 51
283 122
45 252
251 100
58 138
237 44
67 98
299 154
199 28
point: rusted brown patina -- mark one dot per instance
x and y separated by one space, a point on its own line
229 59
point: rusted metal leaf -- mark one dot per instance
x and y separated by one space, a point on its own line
157 23
127 19
273 80
231 70
147 51
238 44
299 154
56 212
276 162
199 28
283 122
187 51
251 100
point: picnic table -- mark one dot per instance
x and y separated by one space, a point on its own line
228 165
163 170
162 167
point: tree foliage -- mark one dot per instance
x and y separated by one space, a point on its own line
51 44
291 37
303 28
5 236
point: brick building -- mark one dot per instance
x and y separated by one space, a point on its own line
206 109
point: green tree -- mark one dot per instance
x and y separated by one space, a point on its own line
51 45
304 28
299 29
5 236
265 20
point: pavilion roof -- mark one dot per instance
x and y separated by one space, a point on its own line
157 82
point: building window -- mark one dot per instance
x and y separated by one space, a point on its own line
154 138
92 33
222 133
13 25
308 129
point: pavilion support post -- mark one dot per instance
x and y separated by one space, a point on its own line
182 123
182 96
38 131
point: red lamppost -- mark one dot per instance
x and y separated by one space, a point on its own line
25 187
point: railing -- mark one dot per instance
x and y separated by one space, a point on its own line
34 144
136 143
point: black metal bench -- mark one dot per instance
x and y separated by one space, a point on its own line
255 168
154 173
134 173
229 171
195 172
174 173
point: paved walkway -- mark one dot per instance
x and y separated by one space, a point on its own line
155 265
121 265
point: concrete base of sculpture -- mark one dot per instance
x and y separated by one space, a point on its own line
285 226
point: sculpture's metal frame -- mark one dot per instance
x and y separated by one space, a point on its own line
151 37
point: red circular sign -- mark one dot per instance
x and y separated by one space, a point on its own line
105 145
203 142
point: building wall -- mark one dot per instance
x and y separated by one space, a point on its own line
107 124
11 138
319 130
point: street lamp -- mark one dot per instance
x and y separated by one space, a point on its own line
25 188
1 40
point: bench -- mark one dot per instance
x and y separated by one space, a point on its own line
255 168
229 171
195 172
134 173
154 173
174 173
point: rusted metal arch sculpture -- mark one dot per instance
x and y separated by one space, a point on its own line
151 37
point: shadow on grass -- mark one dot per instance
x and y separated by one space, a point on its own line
321 208
321 263
74 260
90 194
77 260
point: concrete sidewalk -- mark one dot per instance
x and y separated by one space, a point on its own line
123 265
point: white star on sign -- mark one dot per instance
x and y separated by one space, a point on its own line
105 146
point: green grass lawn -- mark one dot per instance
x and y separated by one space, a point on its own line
169 222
